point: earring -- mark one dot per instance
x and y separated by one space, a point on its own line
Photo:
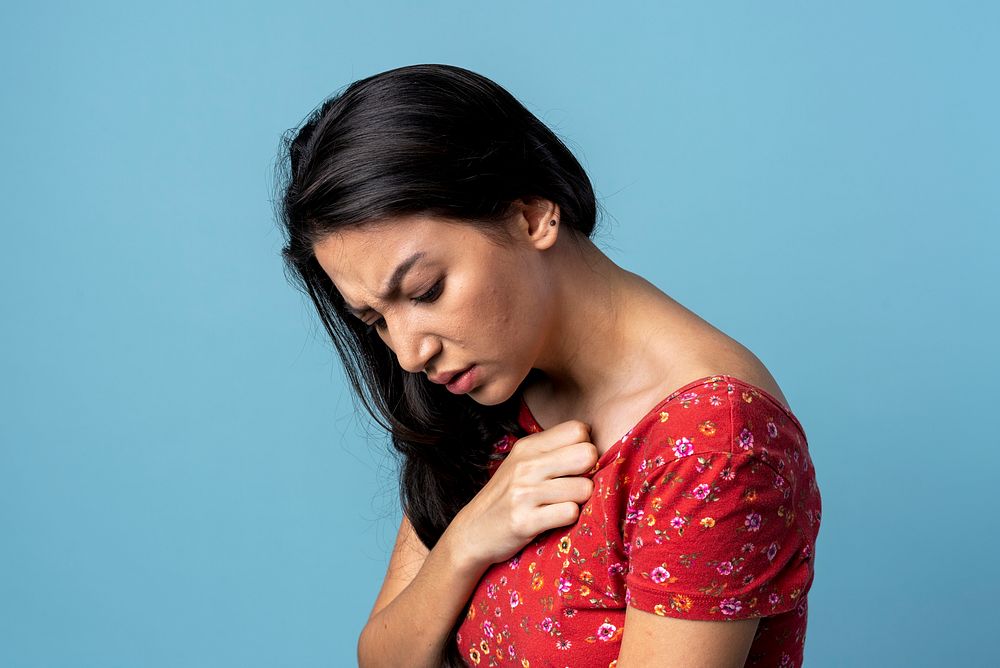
552 222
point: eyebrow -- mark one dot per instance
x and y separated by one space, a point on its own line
392 285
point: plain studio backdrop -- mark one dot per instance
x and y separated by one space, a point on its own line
185 479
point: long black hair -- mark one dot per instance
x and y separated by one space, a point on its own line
435 140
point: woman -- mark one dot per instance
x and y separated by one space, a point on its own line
443 234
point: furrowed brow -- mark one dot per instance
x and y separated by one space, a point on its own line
391 286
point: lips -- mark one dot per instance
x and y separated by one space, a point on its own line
463 382
445 378
458 373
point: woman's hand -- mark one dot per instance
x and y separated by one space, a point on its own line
537 487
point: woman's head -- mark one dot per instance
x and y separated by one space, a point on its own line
439 160
428 157
466 295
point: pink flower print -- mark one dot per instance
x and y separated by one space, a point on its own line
505 443
701 491
772 430
491 590
515 561
786 660
772 550
563 585
561 643
635 517
606 631
747 547
546 624
659 574
773 598
779 482
678 522
730 606
488 628
725 568
714 400
617 567
746 439
514 599
510 652
806 551
632 513
727 474
683 447
752 522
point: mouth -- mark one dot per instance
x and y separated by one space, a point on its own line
463 381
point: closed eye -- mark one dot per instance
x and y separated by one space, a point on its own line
430 296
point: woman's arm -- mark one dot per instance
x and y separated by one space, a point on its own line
412 627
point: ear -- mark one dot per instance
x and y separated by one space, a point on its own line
534 218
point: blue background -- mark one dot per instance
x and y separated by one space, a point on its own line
185 479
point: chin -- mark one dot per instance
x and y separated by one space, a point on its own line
482 396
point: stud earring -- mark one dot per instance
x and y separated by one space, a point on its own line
552 222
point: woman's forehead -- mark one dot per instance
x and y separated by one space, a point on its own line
367 264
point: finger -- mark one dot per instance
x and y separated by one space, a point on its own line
560 435
569 488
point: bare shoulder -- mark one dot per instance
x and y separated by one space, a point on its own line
699 349
728 356
750 369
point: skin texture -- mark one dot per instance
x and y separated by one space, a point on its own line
609 345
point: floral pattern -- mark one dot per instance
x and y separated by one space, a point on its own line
706 509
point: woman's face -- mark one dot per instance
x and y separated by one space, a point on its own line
461 301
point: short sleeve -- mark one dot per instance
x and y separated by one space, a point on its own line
715 536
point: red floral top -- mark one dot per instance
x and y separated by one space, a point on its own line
706 509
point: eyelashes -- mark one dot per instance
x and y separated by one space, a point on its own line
430 296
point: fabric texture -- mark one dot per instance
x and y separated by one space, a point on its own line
707 509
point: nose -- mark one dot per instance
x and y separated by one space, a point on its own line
413 346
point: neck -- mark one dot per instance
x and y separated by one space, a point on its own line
595 348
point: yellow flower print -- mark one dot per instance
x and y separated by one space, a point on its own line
708 522
483 647
525 664
747 396
584 591
531 567
657 504
651 519
587 576
750 495
660 610
564 545
664 416
707 428
474 655
681 603
537 580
